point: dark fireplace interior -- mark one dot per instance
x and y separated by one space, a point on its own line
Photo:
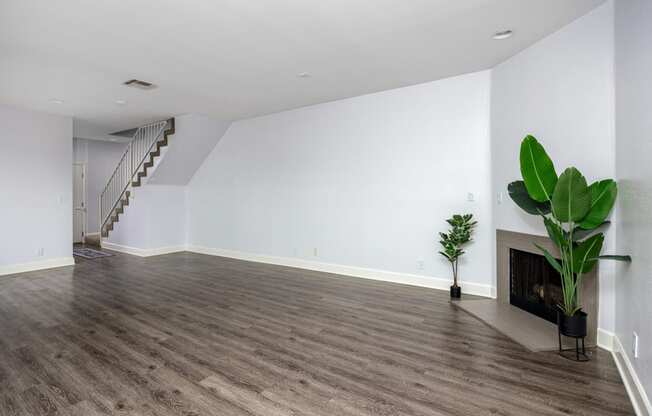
535 286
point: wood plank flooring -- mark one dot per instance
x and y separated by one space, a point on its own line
187 334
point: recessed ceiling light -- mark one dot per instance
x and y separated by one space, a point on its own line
303 75
121 102
503 34
56 101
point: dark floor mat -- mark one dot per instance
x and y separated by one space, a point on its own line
89 253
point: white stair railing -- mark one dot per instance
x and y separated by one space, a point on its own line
130 164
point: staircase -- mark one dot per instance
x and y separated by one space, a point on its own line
141 154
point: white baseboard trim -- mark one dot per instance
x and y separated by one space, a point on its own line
92 234
632 383
37 265
142 252
365 273
605 339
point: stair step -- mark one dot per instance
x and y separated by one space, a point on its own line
159 146
125 201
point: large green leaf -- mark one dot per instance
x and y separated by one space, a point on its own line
553 261
555 232
586 253
571 199
521 197
580 233
537 170
603 197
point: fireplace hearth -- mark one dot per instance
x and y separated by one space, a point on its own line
534 285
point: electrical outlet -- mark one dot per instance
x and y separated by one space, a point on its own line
635 344
40 252
420 265
499 198
314 251
470 197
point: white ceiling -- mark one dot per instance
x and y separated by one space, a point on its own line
234 59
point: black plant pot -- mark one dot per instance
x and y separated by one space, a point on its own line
572 326
456 292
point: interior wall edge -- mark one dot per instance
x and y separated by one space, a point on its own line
142 252
353 271
36 265
633 385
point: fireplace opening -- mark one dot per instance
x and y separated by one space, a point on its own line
535 286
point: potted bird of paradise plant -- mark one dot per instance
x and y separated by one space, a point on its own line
573 213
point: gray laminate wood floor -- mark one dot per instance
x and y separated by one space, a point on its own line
187 334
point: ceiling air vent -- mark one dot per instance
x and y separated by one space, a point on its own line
143 85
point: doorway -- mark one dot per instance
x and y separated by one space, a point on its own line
78 202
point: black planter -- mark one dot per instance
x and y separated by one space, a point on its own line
572 326
456 292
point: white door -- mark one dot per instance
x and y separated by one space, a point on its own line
78 203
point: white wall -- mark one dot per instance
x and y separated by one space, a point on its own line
36 182
101 159
79 150
154 221
634 171
561 91
366 181
194 139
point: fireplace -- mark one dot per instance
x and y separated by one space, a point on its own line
534 285
527 283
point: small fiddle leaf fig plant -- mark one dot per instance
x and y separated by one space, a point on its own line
573 213
457 236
